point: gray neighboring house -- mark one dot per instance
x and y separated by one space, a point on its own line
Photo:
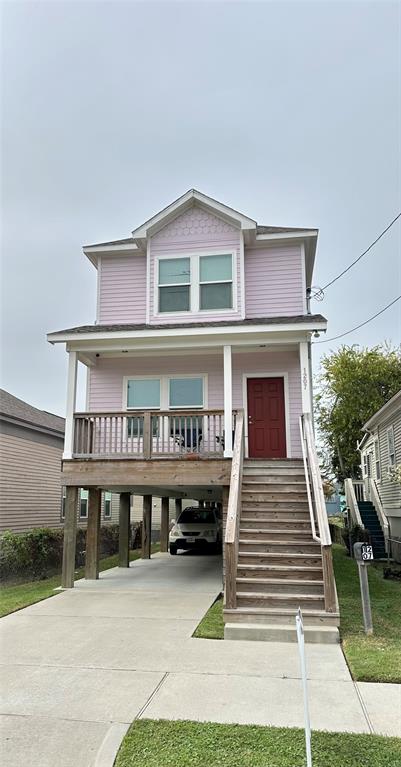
380 453
31 446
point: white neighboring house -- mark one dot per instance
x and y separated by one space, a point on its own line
380 455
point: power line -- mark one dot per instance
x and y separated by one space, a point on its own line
362 254
326 340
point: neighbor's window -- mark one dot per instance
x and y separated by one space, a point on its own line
174 284
83 507
185 392
107 505
377 461
63 497
391 446
215 282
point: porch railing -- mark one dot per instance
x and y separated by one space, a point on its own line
147 434
352 495
234 515
317 510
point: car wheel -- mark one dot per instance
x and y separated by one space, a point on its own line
173 549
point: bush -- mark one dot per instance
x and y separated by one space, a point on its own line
39 552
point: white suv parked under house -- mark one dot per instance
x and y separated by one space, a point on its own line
195 528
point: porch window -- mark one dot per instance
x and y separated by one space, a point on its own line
143 393
107 505
185 392
215 282
377 461
174 284
391 446
83 505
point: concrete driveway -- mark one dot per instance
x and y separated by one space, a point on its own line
79 667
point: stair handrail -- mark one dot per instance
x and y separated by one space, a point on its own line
375 498
234 514
351 501
317 510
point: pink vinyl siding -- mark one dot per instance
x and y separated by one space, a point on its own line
106 379
122 289
195 231
274 281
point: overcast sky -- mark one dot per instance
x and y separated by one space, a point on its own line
289 112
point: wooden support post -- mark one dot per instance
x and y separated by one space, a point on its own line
178 507
147 435
147 526
93 535
330 601
164 524
70 536
124 530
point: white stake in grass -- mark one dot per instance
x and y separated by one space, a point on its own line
301 648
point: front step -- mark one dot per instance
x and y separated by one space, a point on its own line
277 534
276 524
280 615
280 632
278 558
280 601
283 572
279 586
267 545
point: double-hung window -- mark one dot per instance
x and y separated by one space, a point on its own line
391 446
174 284
216 282
195 283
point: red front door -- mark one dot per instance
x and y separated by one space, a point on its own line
266 418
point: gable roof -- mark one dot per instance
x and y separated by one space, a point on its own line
16 410
393 404
252 232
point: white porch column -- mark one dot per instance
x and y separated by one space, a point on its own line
70 408
228 403
306 384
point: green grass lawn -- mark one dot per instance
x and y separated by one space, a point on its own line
371 659
212 625
376 658
196 744
13 598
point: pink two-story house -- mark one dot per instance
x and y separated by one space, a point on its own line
199 385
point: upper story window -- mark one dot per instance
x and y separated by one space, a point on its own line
195 283
174 284
391 446
216 282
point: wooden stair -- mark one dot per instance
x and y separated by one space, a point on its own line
279 566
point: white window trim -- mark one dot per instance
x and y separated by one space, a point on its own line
376 448
390 430
164 392
108 500
194 289
268 374
83 516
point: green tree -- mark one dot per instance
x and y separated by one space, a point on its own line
353 384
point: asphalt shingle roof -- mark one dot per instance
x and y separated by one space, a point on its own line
18 410
299 320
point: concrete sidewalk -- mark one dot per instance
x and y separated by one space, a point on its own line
79 667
